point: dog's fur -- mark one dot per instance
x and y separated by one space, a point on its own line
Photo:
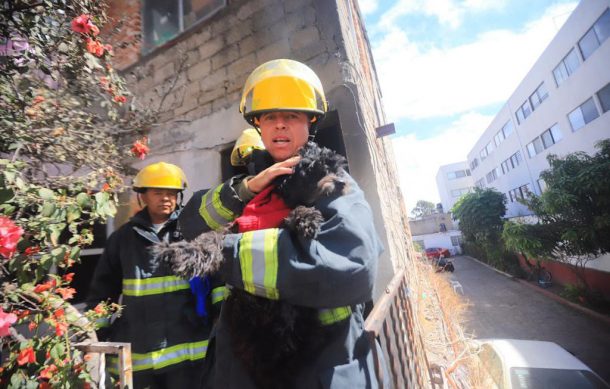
272 338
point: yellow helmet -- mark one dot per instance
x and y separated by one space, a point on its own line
248 141
160 175
282 85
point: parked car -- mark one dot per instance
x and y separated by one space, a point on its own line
435 252
533 364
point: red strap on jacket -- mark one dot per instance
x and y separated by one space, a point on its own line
265 210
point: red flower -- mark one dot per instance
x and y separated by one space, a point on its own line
46 286
6 319
95 47
32 250
83 25
139 148
26 356
32 326
100 309
61 328
47 372
120 99
67 277
10 234
44 385
38 100
66 293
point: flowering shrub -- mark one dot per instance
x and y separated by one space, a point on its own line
67 131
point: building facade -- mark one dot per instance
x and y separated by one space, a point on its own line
453 181
437 230
189 60
561 106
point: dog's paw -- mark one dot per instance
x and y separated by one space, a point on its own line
188 259
305 221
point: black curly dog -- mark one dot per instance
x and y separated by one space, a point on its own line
272 338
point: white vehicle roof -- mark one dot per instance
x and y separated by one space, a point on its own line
534 353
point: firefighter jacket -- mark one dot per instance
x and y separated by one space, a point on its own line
333 273
159 317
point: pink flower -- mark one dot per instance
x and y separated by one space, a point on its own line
9 236
139 148
6 319
95 47
83 25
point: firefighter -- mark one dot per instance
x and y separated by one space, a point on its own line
333 273
159 318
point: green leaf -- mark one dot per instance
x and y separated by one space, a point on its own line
83 200
47 209
6 195
75 253
46 194
58 351
73 213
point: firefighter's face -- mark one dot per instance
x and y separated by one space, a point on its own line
160 203
284 133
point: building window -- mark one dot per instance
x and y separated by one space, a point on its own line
456 240
508 129
541 185
524 111
516 159
547 139
595 36
492 175
521 192
419 244
458 174
585 113
459 192
551 136
535 147
164 20
480 183
604 98
474 164
566 67
539 95
483 154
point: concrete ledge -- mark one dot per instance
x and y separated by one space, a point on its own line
549 294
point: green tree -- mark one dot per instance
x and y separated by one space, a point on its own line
66 124
423 208
480 215
573 213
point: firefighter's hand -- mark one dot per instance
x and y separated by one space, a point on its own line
264 178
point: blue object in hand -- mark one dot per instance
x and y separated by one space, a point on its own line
200 287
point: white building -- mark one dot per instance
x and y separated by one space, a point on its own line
560 107
453 181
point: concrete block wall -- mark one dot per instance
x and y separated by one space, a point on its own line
195 81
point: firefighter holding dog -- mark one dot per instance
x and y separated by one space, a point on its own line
168 339
331 274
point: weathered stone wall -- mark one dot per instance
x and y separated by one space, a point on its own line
196 80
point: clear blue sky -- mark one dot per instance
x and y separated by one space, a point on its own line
445 69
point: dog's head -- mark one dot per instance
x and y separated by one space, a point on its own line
317 174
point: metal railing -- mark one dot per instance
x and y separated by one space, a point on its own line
391 324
